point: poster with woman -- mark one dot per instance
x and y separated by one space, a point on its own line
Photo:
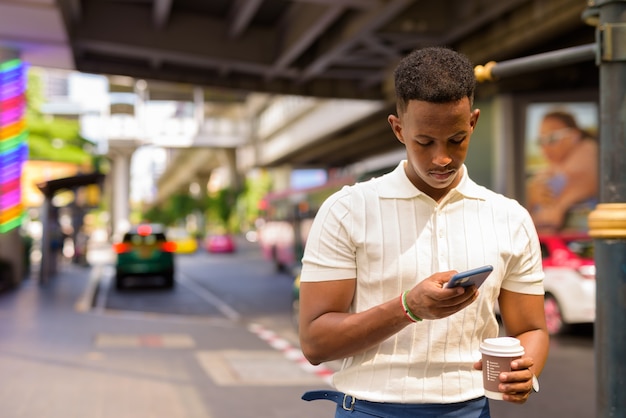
561 164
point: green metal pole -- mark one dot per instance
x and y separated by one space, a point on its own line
607 223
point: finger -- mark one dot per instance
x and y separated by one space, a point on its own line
461 302
522 364
445 312
518 398
468 297
514 387
519 376
457 296
514 391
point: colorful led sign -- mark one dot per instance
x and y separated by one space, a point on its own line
13 146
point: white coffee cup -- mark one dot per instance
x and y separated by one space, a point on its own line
498 353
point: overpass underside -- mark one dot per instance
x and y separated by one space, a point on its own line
327 49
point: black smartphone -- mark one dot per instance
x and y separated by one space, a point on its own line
467 278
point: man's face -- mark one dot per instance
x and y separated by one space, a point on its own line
436 137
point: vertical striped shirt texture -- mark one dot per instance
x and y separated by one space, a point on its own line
389 236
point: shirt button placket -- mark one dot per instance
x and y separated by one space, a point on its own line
441 241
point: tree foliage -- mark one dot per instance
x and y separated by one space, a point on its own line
176 208
53 138
226 210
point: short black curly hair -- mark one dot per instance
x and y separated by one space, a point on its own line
434 74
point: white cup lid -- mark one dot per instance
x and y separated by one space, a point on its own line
502 347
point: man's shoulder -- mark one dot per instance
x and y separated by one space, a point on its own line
485 193
353 191
493 198
345 195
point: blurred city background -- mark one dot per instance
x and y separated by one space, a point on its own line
219 127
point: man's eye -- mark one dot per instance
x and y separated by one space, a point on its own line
457 140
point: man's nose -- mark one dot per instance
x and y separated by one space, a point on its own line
442 158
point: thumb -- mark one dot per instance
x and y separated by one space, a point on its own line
444 276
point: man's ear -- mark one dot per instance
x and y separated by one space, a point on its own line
475 115
396 127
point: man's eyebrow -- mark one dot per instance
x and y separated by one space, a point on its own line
459 133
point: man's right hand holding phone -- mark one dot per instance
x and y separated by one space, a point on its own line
430 299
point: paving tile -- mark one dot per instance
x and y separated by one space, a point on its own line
144 340
241 367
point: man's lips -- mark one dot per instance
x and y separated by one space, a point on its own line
442 175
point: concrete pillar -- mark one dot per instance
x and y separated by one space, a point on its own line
51 241
504 178
203 181
198 103
120 156
230 155
281 177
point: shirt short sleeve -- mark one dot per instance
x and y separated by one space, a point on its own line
329 253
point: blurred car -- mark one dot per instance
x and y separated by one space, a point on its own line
144 251
570 280
220 243
185 243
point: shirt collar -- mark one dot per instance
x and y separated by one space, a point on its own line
396 185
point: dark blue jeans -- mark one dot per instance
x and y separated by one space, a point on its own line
348 407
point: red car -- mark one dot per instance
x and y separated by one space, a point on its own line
570 282
222 243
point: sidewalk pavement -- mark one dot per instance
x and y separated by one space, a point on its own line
60 359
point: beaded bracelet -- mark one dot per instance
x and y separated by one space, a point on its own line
407 311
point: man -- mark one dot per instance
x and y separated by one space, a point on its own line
380 252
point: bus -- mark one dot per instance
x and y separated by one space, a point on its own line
286 218
287 215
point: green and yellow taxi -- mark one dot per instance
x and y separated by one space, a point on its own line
144 251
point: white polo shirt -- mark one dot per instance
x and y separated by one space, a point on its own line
389 236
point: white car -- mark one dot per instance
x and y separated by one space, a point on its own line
570 281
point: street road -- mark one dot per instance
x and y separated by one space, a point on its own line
244 289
